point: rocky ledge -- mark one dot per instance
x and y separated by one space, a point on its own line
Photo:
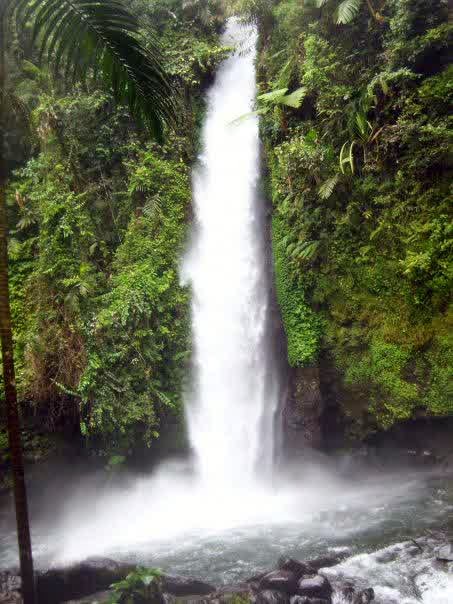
291 582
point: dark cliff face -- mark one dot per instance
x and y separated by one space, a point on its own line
302 411
318 413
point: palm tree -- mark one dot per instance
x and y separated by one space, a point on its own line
76 36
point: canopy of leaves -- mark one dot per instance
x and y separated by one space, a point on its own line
77 36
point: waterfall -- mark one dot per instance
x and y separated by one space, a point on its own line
231 409
231 406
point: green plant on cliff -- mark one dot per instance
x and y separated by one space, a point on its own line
302 325
360 176
139 587
98 216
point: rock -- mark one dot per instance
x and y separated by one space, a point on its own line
307 600
185 586
10 587
445 553
364 597
347 591
79 580
315 587
170 599
326 561
102 597
272 596
350 595
294 566
281 580
13 597
302 412
241 592
257 578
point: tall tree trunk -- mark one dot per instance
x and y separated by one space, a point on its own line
20 494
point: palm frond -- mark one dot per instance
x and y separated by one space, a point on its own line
246 116
77 36
347 11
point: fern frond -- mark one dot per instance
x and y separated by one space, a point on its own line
153 207
327 187
77 36
347 11
294 99
273 96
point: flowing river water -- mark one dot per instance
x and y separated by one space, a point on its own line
224 516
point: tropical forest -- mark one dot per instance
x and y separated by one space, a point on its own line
226 261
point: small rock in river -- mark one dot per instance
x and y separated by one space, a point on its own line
307 600
327 561
445 553
282 580
315 587
364 597
294 566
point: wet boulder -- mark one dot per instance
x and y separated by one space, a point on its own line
315 587
185 586
170 599
349 594
445 553
271 596
347 591
79 580
241 592
294 566
364 597
326 561
280 580
10 587
307 600
102 597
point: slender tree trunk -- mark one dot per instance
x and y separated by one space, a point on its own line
20 494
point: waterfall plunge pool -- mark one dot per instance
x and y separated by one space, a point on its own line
168 520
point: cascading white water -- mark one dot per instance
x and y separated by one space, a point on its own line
230 414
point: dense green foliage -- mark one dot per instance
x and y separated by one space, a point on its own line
77 34
360 175
99 215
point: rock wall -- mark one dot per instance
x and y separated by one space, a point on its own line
302 411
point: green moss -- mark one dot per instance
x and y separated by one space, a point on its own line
380 372
302 325
365 242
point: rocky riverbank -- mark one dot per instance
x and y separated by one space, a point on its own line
335 578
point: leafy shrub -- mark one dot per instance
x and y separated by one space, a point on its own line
139 587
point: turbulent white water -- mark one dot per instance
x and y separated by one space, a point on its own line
231 413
